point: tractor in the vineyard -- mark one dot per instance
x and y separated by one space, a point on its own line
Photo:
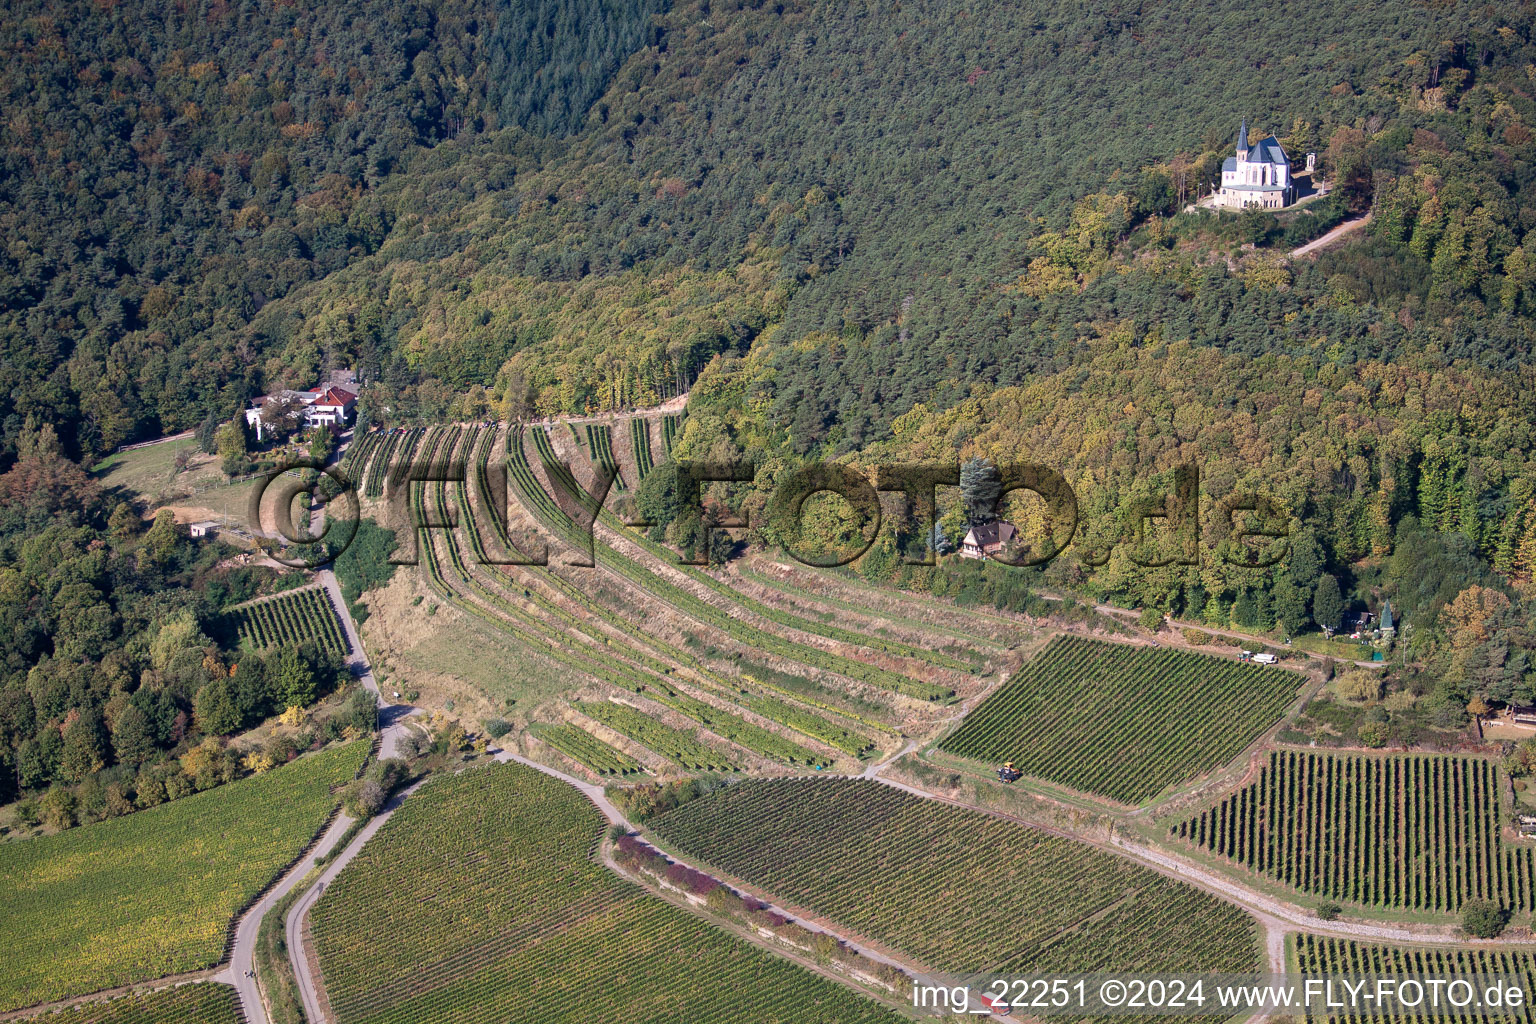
1008 773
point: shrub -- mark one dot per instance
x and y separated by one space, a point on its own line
1374 734
1196 637
1150 620
1483 919
496 728
1329 911
1358 684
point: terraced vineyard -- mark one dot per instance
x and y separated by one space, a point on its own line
572 627
359 452
203 1003
291 618
152 893
960 890
582 746
799 717
671 426
673 744
540 504
640 442
1318 955
1123 722
600 444
630 672
1415 831
484 881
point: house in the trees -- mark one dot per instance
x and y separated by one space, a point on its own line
988 540
1521 714
1259 174
285 411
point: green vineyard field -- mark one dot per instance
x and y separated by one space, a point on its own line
1123 722
291 618
1318 955
152 893
640 443
1415 831
496 911
202 1003
673 744
956 888
600 444
582 746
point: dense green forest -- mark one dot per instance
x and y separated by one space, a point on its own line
917 230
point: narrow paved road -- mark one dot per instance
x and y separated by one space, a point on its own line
242 962
392 723
309 986
391 716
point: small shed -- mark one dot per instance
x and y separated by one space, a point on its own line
205 528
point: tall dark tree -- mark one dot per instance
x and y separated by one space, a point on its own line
1327 602
980 488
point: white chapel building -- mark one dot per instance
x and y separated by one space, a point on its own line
1259 175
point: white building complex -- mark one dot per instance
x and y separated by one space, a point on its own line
1259 175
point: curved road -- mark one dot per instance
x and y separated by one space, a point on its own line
293 925
243 958
242 962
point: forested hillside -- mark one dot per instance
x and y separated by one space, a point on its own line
214 200
853 230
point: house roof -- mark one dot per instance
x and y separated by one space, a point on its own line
1265 151
995 532
337 396
1268 151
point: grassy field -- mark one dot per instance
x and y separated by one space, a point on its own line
484 881
152 893
148 470
961 890
202 1003
1411 832
1124 722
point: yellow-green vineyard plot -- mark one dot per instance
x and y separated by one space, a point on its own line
202 1003
290 618
1413 831
958 889
673 744
152 893
479 902
1124 722
583 747
1319 955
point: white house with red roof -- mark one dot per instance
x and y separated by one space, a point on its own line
329 405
